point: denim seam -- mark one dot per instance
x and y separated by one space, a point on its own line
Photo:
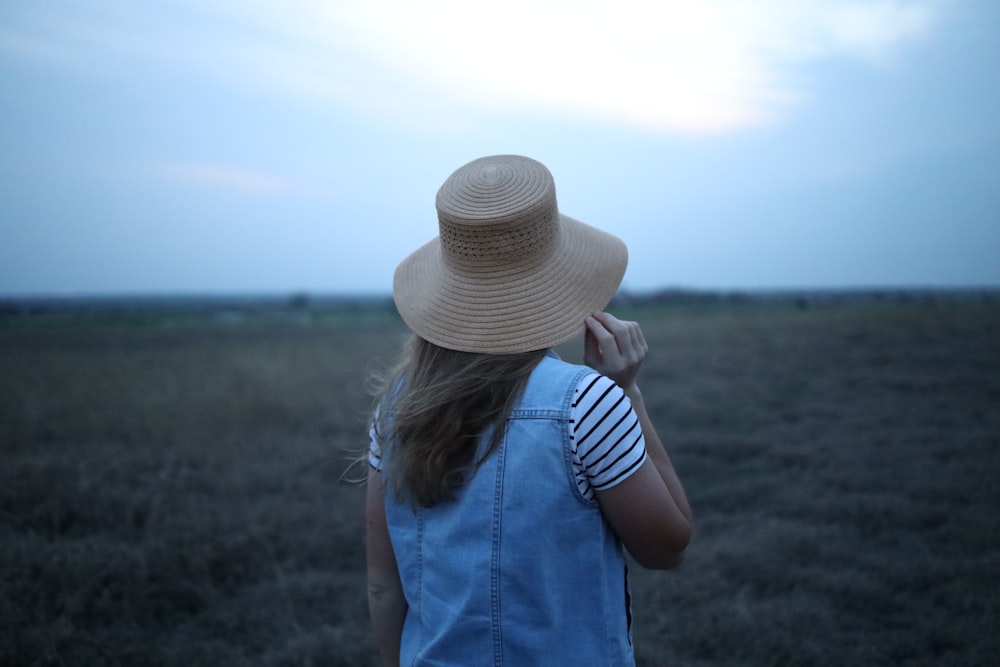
420 571
567 437
538 413
495 557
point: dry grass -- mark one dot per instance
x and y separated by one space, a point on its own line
174 496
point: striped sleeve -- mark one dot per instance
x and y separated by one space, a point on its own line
607 439
374 450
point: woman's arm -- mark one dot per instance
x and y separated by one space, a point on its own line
658 453
386 603
649 511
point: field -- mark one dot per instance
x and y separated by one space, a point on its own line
179 491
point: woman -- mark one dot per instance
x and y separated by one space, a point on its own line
504 481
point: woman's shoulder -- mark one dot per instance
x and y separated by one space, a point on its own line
553 382
560 373
553 363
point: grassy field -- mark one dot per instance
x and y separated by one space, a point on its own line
177 494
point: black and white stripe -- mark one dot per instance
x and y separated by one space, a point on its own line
607 442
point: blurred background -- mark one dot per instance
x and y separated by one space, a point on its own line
176 484
263 147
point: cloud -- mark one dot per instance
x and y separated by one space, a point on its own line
666 65
660 64
226 177
876 31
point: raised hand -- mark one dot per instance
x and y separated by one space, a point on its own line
614 348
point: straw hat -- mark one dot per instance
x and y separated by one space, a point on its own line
508 273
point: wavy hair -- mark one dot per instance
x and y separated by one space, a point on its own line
433 409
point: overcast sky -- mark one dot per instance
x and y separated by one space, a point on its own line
244 146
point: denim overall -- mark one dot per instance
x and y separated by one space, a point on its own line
519 570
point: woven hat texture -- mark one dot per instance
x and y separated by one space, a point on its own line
507 273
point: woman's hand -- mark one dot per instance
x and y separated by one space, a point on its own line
614 348
648 510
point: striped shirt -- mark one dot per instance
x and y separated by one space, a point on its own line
606 441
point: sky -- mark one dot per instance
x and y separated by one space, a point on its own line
242 146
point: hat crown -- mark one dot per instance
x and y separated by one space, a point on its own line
499 209
508 273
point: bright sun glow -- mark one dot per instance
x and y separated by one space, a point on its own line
666 65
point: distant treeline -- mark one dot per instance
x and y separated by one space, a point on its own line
299 303
181 305
805 297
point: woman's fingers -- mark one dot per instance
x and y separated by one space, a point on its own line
615 326
591 345
642 339
614 348
627 335
636 340
602 343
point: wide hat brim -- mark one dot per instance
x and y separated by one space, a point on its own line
511 308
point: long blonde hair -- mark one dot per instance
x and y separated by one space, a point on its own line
434 407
